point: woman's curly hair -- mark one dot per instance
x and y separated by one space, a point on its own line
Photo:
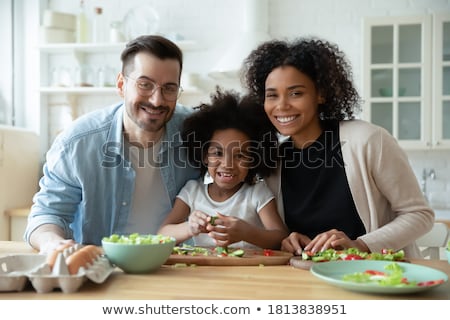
322 61
228 110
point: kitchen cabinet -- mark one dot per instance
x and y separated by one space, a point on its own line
69 80
407 78
19 173
76 78
18 219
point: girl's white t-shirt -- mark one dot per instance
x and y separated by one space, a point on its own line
244 204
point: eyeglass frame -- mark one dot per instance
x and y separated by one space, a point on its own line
156 87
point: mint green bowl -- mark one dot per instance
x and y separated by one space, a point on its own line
138 258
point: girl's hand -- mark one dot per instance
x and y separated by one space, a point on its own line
294 243
334 239
197 222
226 230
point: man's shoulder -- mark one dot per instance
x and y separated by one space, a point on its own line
92 122
96 117
182 112
175 123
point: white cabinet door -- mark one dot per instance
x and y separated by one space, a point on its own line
441 87
407 78
397 79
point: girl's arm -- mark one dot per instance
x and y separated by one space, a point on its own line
275 230
175 224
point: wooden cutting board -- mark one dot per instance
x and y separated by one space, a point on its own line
252 257
298 262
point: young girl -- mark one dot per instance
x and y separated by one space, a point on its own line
224 139
341 182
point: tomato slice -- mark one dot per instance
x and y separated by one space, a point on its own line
352 256
375 272
268 252
430 283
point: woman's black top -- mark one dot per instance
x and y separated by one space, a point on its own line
316 194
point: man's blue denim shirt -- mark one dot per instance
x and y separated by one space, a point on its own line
88 181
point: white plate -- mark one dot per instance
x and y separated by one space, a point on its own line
333 271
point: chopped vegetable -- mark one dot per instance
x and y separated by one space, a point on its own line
218 251
237 253
186 249
221 251
393 277
136 238
212 220
353 254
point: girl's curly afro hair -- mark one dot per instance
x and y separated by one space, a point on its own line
228 110
322 61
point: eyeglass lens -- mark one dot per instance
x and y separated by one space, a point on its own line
147 88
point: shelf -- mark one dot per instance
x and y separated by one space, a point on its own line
184 45
18 212
81 47
78 90
95 90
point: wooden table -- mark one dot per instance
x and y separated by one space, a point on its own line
227 282
447 222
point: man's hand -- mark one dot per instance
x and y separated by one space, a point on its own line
48 237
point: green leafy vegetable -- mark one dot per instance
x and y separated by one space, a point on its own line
353 254
136 238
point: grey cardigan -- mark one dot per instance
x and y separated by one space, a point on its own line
385 190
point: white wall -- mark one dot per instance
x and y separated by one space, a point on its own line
214 25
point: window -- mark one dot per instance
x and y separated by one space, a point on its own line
6 58
19 36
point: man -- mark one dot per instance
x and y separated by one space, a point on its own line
119 169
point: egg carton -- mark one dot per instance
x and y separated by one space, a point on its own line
17 270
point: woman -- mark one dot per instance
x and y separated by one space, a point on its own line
341 182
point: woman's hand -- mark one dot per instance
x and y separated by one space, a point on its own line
334 239
227 230
197 222
294 243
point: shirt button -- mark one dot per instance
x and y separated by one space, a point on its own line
124 203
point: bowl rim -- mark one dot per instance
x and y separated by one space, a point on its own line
138 244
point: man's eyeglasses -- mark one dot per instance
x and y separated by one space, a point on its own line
146 88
